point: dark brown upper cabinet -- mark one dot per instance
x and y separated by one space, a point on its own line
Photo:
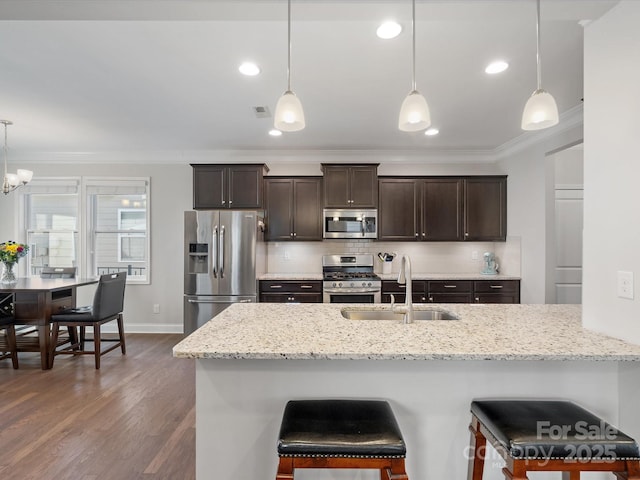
442 208
485 209
398 213
350 186
420 209
228 186
293 208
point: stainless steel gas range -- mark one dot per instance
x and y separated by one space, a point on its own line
349 278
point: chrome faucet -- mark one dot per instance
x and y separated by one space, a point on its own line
405 277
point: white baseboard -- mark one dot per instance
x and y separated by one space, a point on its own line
144 328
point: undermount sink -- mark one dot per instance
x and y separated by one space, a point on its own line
372 314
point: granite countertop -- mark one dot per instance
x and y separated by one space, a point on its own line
449 276
393 276
483 332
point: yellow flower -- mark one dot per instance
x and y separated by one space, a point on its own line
13 248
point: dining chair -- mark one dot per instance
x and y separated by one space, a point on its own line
8 347
107 306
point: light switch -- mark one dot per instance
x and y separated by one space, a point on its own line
625 285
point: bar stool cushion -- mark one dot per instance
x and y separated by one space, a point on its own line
550 429
340 428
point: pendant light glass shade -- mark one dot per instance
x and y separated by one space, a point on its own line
540 111
289 116
414 113
11 181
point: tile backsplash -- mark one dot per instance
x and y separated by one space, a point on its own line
426 257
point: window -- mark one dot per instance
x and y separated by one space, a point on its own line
52 224
131 246
106 232
118 223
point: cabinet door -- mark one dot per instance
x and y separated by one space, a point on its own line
336 187
307 209
363 186
279 209
450 298
441 210
209 187
397 215
245 186
485 207
496 298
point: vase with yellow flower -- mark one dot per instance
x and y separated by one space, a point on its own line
10 253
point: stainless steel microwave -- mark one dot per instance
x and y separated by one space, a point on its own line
350 223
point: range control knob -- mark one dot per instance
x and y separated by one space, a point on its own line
340 284
369 284
333 284
364 284
353 284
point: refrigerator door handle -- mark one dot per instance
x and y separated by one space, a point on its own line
222 251
214 256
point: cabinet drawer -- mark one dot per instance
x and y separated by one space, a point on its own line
61 304
291 286
291 298
400 297
498 286
451 286
391 286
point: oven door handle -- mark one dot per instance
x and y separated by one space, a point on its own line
354 290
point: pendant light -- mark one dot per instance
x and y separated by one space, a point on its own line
11 181
289 116
414 112
541 110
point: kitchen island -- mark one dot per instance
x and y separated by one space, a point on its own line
252 358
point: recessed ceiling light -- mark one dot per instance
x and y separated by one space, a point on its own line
430 132
496 67
274 132
250 69
389 30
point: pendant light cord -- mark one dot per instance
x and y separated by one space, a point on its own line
5 152
539 68
289 50
413 34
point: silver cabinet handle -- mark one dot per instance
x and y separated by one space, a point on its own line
431 299
295 235
495 286
306 286
424 234
416 234
230 202
275 286
222 251
450 286
214 254
223 202
466 234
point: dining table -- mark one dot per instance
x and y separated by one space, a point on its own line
35 299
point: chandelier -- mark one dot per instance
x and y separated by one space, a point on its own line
11 181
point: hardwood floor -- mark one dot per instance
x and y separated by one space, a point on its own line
132 419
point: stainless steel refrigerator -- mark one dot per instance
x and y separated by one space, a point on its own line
224 254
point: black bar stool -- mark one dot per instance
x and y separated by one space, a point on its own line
549 435
341 434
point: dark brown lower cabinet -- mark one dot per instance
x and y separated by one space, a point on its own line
290 291
454 291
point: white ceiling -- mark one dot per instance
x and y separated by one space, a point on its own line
113 75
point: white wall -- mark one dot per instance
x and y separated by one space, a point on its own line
530 180
612 170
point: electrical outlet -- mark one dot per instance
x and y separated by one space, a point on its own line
625 285
156 308
286 255
474 255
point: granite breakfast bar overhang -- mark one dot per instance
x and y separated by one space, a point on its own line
252 358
